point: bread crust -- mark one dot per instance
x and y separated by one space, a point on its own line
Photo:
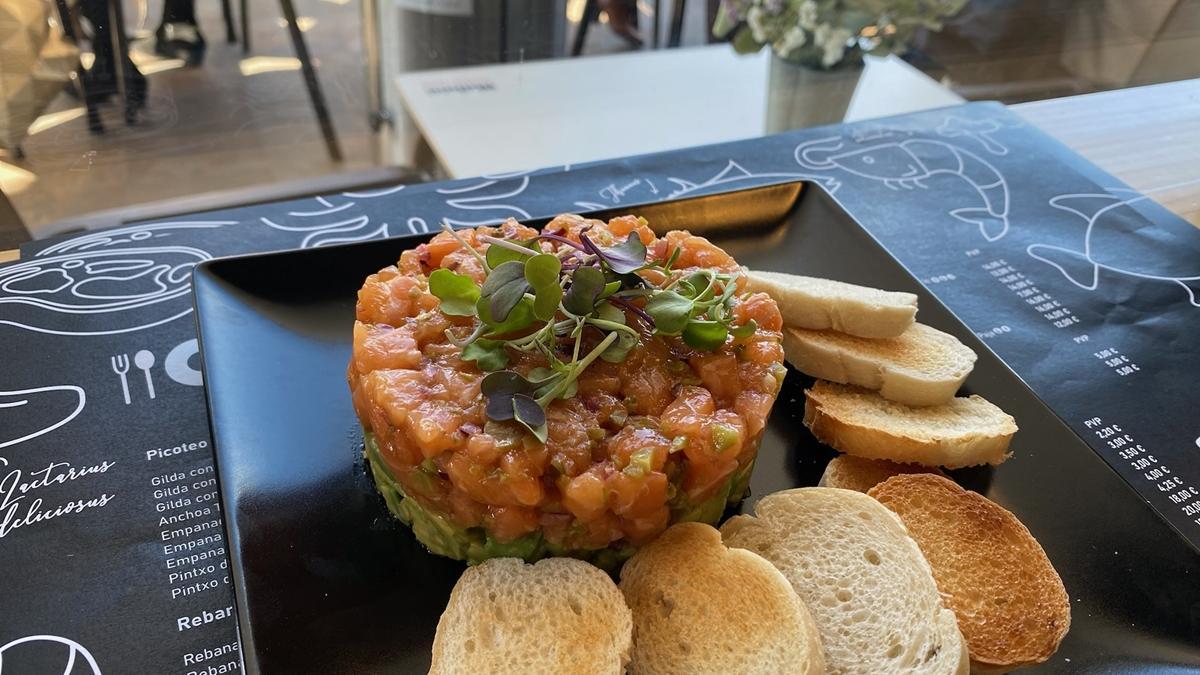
1011 604
922 367
851 472
821 304
829 424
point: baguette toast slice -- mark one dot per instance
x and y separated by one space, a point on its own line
860 474
866 583
557 616
964 432
924 366
699 607
1011 605
824 304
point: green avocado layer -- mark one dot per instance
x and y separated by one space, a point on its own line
475 545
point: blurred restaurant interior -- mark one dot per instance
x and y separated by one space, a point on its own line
221 104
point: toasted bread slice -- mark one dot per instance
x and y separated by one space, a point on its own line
860 474
824 304
1010 602
866 583
924 366
557 616
699 607
964 432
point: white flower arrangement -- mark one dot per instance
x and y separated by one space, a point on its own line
824 33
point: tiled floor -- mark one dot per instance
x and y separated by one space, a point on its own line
241 121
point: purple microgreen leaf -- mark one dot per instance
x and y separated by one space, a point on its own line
505 382
529 413
586 285
499 407
626 257
504 288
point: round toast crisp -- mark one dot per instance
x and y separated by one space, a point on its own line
699 607
1011 605
559 616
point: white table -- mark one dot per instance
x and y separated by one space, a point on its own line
509 117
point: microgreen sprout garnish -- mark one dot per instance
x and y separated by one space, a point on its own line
572 302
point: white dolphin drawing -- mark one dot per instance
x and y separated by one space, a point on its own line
906 164
55 406
979 130
1118 239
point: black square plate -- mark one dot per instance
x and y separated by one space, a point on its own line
327 582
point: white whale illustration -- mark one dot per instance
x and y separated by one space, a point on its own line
905 164
138 288
1119 239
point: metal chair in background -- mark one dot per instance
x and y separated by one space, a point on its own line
311 83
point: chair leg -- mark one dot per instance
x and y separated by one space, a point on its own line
657 22
591 10
310 80
227 15
244 10
123 65
676 23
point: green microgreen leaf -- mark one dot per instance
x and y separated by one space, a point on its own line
529 413
610 312
619 350
707 335
542 270
497 254
745 330
457 292
504 288
489 355
586 285
610 288
520 318
670 311
545 302
626 257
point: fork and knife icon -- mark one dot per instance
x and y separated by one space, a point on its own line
143 360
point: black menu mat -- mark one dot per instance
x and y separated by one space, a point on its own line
111 537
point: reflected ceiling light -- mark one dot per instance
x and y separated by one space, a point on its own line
304 22
150 64
51 120
256 65
575 10
14 179
338 2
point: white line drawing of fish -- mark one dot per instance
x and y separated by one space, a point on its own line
47 295
41 399
1118 239
906 164
733 172
75 651
978 130
135 235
